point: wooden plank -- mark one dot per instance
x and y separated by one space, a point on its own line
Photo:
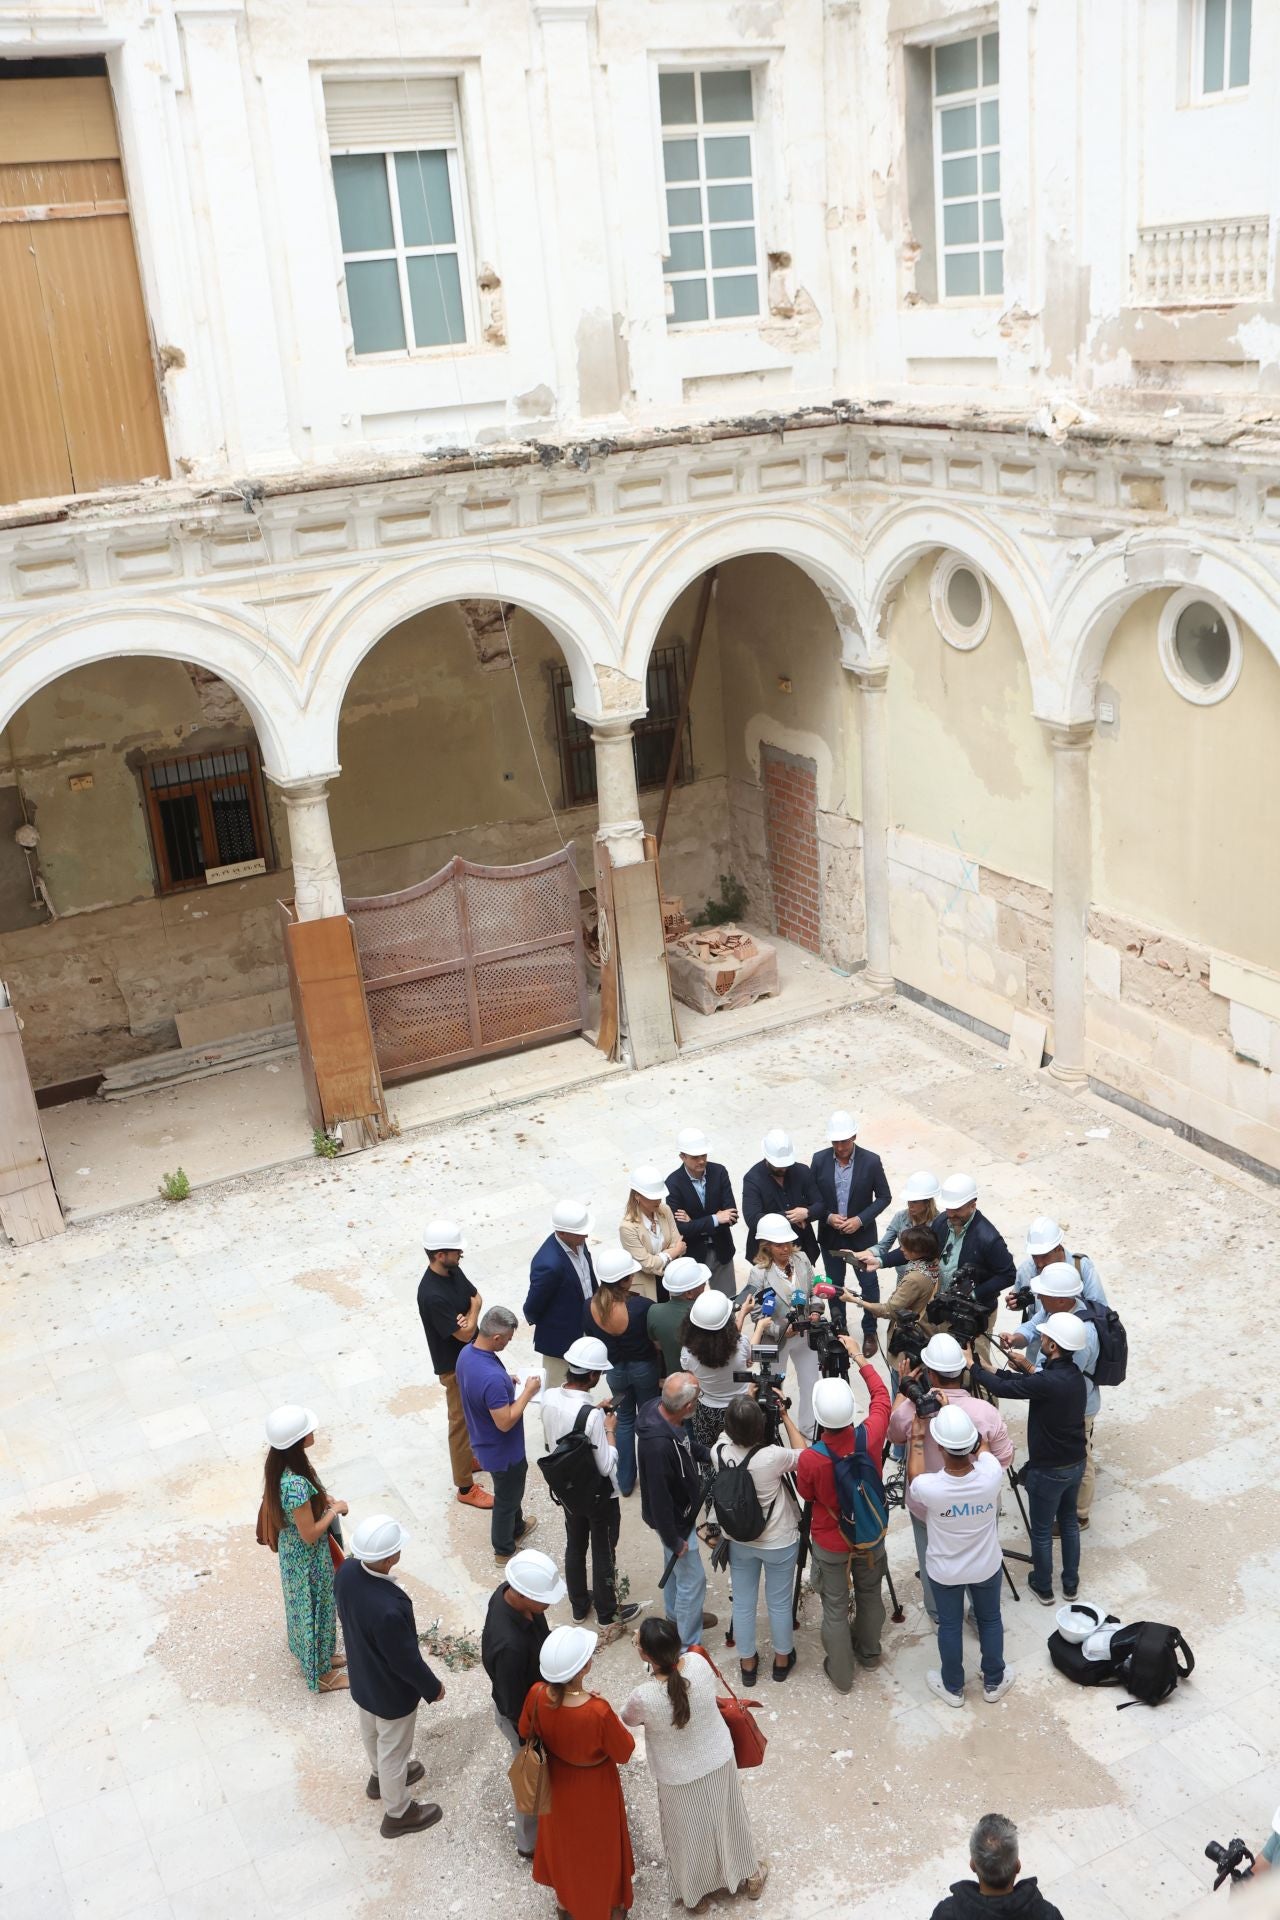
69 118
59 184
677 739
35 461
336 1020
310 1088
607 1037
642 959
29 1208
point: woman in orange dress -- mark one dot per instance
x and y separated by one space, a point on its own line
583 1848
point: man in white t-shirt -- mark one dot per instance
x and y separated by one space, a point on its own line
962 1510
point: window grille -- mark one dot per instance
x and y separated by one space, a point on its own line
651 736
204 812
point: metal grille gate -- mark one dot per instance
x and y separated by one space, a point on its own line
475 960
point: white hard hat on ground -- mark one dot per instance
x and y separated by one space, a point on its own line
921 1186
1066 1331
777 1148
958 1190
1061 1281
775 1227
287 1425
571 1216
953 1430
377 1538
648 1183
587 1355
536 1576
1043 1235
684 1274
693 1142
842 1125
834 1404
565 1652
711 1311
943 1353
613 1264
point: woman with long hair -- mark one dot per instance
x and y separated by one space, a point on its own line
298 1521
649 1231
583 1849
715 1348
773 1552
921 1210
619 1316
706 1836
918 1282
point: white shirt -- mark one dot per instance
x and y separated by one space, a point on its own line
679 1755
578 1255
560 1409
718 1384
782 1528
961 1513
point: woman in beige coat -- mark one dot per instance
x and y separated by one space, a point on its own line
649 1231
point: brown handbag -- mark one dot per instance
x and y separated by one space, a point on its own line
748 1741
530 1775
260 1533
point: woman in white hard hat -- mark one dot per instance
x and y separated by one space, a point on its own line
706 1835
921 1210
962 1509
583 1849
773 1550
619 1316
917 1284
649 1232
299 1522
715 1347
783 1269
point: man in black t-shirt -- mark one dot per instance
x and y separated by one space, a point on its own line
449 1307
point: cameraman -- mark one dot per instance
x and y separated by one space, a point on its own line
942 1367
834 1562
1059 1288
1269 1852
774 1549
997 1893
969 1242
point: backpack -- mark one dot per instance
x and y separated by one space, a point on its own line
1113 1341
573 1479
863 1518
736 1501
1144 1658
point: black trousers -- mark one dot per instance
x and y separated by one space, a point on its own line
601 1534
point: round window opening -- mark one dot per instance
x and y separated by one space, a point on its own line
964 597
961 602
1200 647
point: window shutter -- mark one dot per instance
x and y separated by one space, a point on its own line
391 113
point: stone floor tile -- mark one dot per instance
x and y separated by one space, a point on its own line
20 1801
203 1848
236 1895
176 1423
115 1885
102 1824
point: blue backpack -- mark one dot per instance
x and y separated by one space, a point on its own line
863 1518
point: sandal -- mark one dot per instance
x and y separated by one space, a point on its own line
335 1681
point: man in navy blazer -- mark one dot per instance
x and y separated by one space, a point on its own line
388 1674
779 1183
701 1197
853 1189
967 1240
562 1280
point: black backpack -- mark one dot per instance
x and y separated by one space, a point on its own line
1146 1658
573 1479
734 1496
1113 1341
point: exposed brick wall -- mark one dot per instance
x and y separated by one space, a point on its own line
791 827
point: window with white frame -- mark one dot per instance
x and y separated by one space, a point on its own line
966 146
1224 30
708 162
395 152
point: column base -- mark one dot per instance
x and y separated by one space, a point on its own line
881 982
1075 1079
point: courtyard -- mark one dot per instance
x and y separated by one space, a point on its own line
159 1756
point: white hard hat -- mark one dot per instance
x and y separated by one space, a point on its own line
1043 1235
684 1274
587 1355
842 1126
287 1425
834 1404
565 1652
943 1353
535 1575
775 1227
377 1538
777 1148
953 1430
1061 1281
648 1183
571 1216
693 1142
442 1233
958 1190
1066 1331
921 1186
711 1311
613 1264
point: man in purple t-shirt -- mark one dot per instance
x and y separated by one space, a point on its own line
494 1413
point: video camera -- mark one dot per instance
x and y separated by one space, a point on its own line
1228 1861
765 1381
1024 1299
925 1401
957 1310
907 1338
806 1316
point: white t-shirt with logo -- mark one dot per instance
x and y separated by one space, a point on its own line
962 1511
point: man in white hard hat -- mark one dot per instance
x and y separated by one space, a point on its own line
853 1190
685 1280
833 1561
779 1183
449 1308
1057 1392
565 1410
494 1412
1060 1289
962 1508
700 1195
943 1368
1046 1247
515 1629
969 1242
562 1280
388 1673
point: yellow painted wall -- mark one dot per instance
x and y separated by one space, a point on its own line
1186 813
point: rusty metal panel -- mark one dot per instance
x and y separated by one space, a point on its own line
474 961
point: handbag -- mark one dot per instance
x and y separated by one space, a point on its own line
530 1775
748 1741
260 1533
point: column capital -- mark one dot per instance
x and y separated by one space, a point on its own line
553 10
608 727
872 676
313 786
1075 736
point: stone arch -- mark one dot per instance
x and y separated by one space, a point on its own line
566 602
224 641
820 547
1119 575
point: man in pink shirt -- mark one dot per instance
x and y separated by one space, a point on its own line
943 1366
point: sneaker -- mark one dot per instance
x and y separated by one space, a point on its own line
934 1683
998 1692
628 1613
710 1620
475 1497
1045 1599
373 1787
417 1816
582 1613
525 1531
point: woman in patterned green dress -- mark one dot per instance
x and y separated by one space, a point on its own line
297 1517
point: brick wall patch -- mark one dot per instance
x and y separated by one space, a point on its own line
791 826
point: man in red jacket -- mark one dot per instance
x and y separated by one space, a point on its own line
833 1562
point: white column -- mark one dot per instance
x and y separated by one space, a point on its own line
873 702
617 797
317 888
1072 865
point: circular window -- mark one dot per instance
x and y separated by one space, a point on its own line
961 602
1199 647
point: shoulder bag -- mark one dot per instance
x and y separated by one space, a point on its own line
530 1775
748 1741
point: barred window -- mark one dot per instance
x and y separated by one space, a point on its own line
205 813
651 737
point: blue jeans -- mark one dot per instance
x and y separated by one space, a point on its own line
1051 1499
898 1452
779 1563
920 1529
684 1594
633 1385
986 1611
506 1520
868 1279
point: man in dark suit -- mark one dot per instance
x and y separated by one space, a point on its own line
853 1189
779 1183
968 1241
562 1280
701 1197
388 1674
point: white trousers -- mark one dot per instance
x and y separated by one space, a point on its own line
804 1362
389 1745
